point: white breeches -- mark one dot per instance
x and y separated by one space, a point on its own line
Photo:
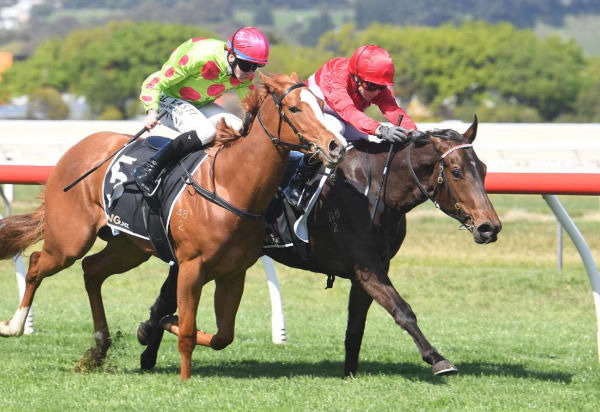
184 117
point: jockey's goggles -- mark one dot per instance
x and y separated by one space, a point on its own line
247 66
371 87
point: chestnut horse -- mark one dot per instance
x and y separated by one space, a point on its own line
210 242
349 241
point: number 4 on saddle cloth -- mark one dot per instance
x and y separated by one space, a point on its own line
126 208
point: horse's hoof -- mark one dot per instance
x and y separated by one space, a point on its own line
444 367
91 360
5 328
144 331
8 330
148 359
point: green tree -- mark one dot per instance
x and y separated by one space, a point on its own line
302 60
46 103
521 13
587 104
454 65
105 64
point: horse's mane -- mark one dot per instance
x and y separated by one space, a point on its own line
446 134
250 104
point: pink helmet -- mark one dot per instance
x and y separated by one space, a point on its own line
373 64
249 44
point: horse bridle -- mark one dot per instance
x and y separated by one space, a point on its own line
306 145
462 217
312 149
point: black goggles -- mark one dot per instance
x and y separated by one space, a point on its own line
247 66
371 87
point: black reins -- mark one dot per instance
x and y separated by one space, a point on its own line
462 217
384 176
304 144
311 148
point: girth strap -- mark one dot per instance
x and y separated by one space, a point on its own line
216 199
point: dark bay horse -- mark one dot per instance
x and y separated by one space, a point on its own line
442 167
210 242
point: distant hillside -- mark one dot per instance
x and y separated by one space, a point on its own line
583 29
303 21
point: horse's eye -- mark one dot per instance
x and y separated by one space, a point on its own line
456 173
294 109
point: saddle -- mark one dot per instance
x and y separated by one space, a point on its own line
128 211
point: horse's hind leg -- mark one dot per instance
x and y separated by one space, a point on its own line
118 256
16 325
380 288
54 257
68 234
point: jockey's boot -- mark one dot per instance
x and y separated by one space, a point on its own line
145 176
295 188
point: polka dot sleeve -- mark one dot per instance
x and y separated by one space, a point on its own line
177 68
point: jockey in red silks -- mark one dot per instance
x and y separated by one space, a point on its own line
194 76
348 87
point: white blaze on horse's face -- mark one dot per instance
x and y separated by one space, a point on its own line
309 98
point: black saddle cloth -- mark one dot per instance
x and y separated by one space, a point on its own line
126 208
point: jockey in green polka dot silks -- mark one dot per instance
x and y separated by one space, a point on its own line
195 75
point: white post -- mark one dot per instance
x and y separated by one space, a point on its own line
559 246
278 332
584 251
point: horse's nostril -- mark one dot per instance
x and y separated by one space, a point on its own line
336 149
487 229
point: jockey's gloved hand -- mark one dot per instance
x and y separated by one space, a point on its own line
394 134
415 134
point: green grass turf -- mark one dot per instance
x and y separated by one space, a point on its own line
521 332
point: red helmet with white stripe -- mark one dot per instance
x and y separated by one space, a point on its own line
373 64
249 44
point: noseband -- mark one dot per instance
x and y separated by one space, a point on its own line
462 217
310 148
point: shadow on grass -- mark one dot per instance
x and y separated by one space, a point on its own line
330 369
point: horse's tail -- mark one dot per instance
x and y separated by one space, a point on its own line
18 232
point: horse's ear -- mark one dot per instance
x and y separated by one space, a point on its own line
268 81
295 77
472 130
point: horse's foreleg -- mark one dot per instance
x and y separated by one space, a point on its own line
118 256
228 294
381 289
189 289
358 306
171 324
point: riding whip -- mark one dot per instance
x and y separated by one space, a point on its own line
133 138
384 175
